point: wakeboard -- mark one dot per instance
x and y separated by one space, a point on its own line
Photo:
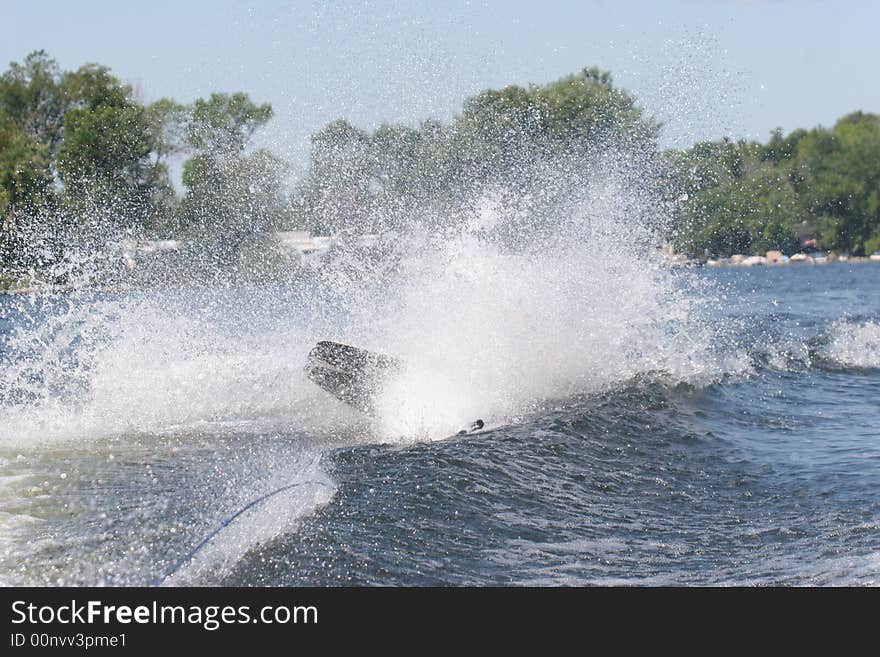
350 374
355 376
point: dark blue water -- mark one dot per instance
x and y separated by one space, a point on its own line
769 474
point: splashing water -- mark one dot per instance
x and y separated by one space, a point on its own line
855 344
515 303
489 331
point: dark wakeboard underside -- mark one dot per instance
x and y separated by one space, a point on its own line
355 376
350 374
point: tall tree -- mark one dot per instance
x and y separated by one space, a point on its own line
25 186
104 156
365 181
840 180
222 125
32 96
231 197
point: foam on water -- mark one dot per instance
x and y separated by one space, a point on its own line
306 488
153 369
509 307
855 344
491 320
495 308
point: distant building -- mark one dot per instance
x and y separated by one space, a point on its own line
312 247
133 247
303 244
296 240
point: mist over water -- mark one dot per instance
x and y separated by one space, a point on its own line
486 330
505 306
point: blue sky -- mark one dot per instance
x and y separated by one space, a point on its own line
706 68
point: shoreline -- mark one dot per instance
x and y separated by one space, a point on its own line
808 260
761 261
672 264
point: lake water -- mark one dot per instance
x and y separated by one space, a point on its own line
131 426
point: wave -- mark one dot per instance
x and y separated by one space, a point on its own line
844 344
854 344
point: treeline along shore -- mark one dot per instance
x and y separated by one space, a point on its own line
85 169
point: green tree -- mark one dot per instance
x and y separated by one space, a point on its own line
82 158
336 193
25 187
585 110
782 147
222 125
113 151
24 167
104 160
32 96
105 144
168 122
366 181
735 199
92 86
232 198
839 176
